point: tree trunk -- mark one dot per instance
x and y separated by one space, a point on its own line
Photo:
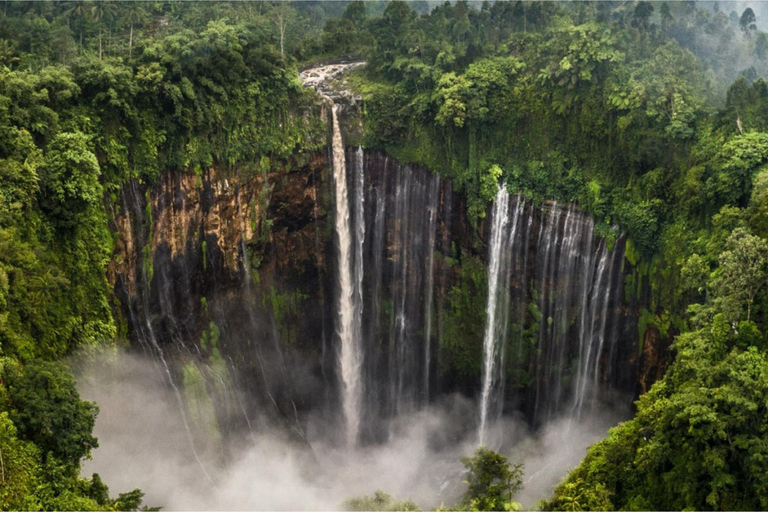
525 20
130 44
99 43
282 33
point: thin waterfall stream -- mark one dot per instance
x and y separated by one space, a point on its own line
149 333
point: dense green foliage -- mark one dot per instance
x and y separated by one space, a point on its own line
602 104
491 482
45 431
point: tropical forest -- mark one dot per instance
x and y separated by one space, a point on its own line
383 255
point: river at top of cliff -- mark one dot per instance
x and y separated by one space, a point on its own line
327 79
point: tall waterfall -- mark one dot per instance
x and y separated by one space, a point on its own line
575 284
430 285
559 306
551 288
496 272
399 278
359 239
350 358
500 255
412 244
593 328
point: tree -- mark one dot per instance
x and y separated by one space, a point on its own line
339 35
284 15
642 14
578 495
355 12
758 204
127 501
101 11
47 410
666 15
491 483
747 21
578 56
19 468
743 272
133 14
81 12
70 179
741 157
8 52
62 40
450 96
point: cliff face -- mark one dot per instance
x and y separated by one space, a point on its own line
229 273
233 277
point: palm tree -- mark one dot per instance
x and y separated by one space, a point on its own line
79 10
8 53
101 11
134 15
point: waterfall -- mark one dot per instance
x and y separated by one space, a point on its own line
500 257
350 358
429 291
552 331
557 330
399 362
153 345
562 307
546 245
359 235
593 325
408 242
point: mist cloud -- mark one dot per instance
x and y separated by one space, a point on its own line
144 443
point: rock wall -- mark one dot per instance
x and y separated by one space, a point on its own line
232 276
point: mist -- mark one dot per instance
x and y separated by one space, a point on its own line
144 442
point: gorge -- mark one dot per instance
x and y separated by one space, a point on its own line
325 302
